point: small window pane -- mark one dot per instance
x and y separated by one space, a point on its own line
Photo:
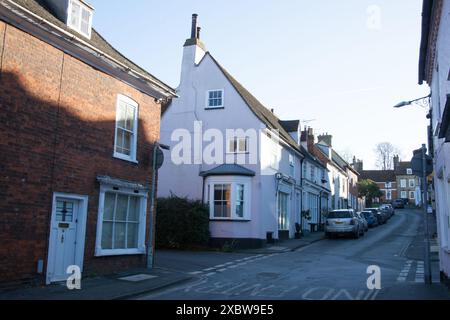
122 208
243 145
130 118
240 200
133 214
119 235
132 235
85 21
107 235
108 213
75 15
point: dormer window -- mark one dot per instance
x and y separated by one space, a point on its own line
80 18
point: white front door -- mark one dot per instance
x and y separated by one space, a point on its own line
65 228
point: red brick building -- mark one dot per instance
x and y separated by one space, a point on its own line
387 182
79 122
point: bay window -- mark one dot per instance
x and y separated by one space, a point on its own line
229 199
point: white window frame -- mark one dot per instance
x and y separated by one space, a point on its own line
404 195
207 99
409 171
403 183
412 183
238 140
234 182
388 185
141 249
133 153
388 194
78 27
292 165
413 193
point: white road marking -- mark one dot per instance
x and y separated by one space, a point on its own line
195 272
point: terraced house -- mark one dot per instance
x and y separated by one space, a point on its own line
79 124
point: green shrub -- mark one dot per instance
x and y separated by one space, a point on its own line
181 223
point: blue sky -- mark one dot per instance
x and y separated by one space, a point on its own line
306 59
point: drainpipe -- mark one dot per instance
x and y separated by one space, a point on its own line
301 194
151 240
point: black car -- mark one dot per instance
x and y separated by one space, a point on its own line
398 204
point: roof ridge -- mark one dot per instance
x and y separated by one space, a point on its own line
264 113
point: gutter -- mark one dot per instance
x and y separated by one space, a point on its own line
166 89
426 22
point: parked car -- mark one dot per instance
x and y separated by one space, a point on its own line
392 209
398 204
370 218
340 222
382 218
387 209
363 221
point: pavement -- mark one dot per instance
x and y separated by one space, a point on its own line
114 287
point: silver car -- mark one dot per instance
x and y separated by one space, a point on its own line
343 222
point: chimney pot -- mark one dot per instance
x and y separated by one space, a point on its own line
194 29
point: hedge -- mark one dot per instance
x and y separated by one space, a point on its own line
181 223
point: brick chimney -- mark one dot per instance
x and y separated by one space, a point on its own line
358 165
396 161
307 139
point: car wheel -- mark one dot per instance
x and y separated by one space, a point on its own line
356 235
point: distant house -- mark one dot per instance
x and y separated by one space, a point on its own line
385 180
79 124
408 184
252 179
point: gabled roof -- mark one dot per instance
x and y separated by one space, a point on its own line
228 170
264 114
39 8
378 175
401 168
312 158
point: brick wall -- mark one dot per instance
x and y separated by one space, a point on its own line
58 117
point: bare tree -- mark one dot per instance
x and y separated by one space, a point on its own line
385 152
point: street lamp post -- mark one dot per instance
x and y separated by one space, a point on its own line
425 209
423 102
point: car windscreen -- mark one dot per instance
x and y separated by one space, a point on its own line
340 215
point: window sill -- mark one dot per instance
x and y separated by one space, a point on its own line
118 252
124 158
228 220
214 108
